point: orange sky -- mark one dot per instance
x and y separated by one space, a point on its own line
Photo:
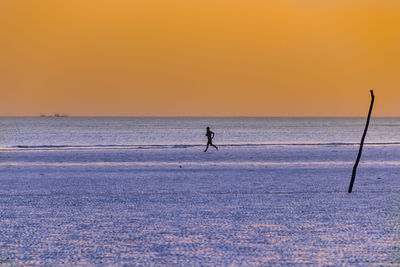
199 57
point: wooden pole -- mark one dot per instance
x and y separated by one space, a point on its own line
353 176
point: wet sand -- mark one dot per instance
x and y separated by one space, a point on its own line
236 206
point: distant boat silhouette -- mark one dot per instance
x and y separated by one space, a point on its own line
56 115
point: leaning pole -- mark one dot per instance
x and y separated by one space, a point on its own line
353 176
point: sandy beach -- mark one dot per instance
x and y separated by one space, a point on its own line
268 205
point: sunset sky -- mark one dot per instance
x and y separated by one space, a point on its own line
199 57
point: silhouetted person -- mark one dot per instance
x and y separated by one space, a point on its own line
210 135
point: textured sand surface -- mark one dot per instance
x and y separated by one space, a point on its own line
236 206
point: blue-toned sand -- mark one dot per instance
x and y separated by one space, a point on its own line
267 205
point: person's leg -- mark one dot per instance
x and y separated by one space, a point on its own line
207 147
211 144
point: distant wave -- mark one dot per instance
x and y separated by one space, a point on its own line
105 146
183 146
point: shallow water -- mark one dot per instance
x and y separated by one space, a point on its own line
132 132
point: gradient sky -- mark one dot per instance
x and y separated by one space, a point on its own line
199 57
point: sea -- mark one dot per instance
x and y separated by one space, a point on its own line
181 132
133 191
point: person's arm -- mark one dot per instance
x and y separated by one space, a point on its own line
212 135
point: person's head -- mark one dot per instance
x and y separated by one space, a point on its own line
208 128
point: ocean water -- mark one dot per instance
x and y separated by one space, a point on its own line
135 132
140 191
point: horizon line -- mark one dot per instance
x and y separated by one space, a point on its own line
184 116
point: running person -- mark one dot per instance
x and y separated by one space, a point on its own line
210 135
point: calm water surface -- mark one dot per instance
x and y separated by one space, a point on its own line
133 131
